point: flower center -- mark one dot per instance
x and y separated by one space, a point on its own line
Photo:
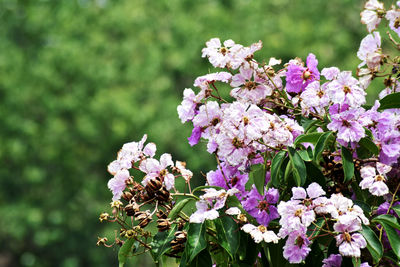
163 172
263 205
215 121
237 143
346 123
397 23
298 213
347 237
307 202
346 89
379 178
262 228
234 181
223 50
245 120
306 74
320 94
299 241
250 85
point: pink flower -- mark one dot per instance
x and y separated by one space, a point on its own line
349 244
154 168
220 55
186 110
249 87
298 76
296 248
373 182
394 16
370 51
117 183
370 15
346 90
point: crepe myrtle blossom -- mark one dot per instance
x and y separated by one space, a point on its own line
130 153
206 83
210 203
374 182
393 16
298 76
249 87
349 243
330 73
347 125
297 247
372 14
262 207
220 55
187 109
154 168
260 233
118 183
334 260
342 207
228 177
345 89
314 98
370 51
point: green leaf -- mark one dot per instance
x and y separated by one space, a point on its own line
257 175
356 262
248 250
124 251
308 138
374 246
388 219
320 146
196 241
275 167
304 155
396 209
178 207
228 234
348 165
369 145
202 260
393 236
162 242
314 174
390 101
299 168
205 187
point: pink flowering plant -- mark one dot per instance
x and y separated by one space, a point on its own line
306 173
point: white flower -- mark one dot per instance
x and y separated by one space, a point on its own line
260 233
233 211
373 182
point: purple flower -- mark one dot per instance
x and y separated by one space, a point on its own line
393 17
298 76
296 248
117 183
346 90
334 260
195 137
261 207
348 126
375 182
349 244
370 51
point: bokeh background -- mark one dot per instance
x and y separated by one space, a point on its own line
78 78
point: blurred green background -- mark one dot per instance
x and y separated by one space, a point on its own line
78 78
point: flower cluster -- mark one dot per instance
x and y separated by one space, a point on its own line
302 162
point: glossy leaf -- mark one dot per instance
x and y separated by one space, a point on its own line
162 242
228 234
393 236
178 207
374 246
314 174
308 138
388 219
202 260
390 101
320 146
275 167
369 145
299 168
196 241
396 209
199 188
348 165
125 250
257 176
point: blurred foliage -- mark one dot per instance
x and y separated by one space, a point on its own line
80 78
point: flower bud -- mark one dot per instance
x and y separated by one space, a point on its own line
130 233
101 241
116 204
104 216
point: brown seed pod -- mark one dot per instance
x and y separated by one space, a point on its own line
145 222
163 225
162 214
163 195
127 195
129 209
